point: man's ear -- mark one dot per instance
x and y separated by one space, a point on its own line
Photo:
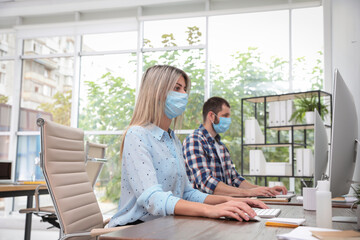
210 116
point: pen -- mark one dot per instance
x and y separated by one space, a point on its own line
303 182
275 224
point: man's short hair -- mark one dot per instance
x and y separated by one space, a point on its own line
214 104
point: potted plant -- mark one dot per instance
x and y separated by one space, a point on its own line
305 107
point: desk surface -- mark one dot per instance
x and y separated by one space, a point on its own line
295 202
18 187
15 190
181 227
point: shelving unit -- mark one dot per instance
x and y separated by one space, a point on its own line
302 127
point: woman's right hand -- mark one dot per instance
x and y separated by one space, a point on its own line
262 191
230 209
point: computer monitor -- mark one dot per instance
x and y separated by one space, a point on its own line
343 138
321 149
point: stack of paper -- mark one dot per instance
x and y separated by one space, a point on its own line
278 168
257 162
304 162
280 113
253 133
285 222
303 233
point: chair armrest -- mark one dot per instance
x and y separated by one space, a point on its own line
36 195
99 231
97 159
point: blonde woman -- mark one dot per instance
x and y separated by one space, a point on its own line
153 178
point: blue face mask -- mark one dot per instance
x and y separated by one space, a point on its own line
223 125
175 104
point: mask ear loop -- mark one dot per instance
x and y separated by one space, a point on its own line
215 118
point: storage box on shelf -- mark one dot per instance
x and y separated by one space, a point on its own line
276 114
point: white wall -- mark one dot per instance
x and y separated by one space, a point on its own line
346 44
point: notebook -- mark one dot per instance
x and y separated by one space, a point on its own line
285 222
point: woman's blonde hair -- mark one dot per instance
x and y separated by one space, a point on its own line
156 83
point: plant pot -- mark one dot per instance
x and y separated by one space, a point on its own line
309 117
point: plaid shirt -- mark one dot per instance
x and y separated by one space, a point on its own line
203 165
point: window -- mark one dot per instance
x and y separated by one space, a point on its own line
28 164
245 54
52 99
4 147
308 49
2 78
47 91
248 57
45 46
175 32
109 42
107 100
6 88
107 91
7 44
183 35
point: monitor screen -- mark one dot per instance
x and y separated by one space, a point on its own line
5 170
321 144
343 138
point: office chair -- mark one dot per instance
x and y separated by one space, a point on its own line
62 162
95 160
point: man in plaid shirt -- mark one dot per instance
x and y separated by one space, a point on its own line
208 163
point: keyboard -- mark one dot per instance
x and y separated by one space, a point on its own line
267 213
288 196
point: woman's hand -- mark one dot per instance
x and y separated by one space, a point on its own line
252 202
238 210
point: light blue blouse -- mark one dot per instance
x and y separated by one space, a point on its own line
153 176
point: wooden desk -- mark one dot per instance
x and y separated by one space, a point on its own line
17 190
181 227
295 202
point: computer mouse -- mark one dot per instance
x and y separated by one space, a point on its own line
255 219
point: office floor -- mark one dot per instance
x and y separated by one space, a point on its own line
12 227
12 224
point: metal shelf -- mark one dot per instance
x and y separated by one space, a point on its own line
287 96
295 127
249 175
261 102
276 145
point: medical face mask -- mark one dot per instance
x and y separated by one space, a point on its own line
223 125
175 104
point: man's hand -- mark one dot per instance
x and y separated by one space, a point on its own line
263 191
281 189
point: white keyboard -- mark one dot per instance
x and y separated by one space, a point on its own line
267 213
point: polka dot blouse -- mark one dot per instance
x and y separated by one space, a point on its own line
153 176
